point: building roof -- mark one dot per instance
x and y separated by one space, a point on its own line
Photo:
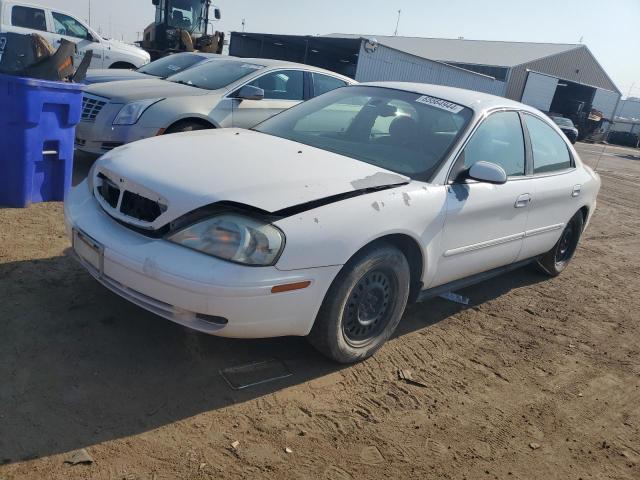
477 52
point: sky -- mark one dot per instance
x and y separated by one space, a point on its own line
610 28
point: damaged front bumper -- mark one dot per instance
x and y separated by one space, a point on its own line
191 288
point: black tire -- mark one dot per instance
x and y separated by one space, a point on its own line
186 126
364 305
556 260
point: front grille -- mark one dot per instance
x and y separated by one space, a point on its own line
136 206
109 191
130 204
91 107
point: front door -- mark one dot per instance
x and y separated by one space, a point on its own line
485 223
67 27
283 89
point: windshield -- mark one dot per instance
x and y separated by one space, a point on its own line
187 14
167 66
563 122
404 132
216 74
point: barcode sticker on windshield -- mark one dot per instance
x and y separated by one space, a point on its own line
441 104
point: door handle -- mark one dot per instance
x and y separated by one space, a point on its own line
577 189
523 200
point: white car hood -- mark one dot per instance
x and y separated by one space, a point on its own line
131 90
191 170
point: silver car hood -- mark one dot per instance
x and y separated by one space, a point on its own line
131 90
191 170
114 75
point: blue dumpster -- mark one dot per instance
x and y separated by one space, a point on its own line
37 129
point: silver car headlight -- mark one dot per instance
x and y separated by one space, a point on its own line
131 112
235 238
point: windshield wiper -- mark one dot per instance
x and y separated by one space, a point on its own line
182 82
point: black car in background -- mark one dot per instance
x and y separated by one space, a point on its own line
626 139
567 127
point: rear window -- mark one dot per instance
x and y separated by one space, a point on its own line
27 17
171 65
216 74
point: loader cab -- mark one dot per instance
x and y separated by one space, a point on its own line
189 15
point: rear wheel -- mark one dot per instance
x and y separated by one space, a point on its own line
556 260
364 305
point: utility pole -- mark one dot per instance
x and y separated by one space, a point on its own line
395 34
89 13
243 23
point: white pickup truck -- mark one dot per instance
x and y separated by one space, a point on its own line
54 25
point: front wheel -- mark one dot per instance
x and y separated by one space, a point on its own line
556 260
363 306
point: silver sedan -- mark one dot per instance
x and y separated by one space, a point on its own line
223 92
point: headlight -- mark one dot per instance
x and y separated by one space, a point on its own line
131 112
235 238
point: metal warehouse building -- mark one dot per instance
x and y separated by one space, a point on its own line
560 78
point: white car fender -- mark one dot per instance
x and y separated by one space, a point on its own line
342 228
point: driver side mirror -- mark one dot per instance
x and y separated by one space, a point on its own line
487 172
249 92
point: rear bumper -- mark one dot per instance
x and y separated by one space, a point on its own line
183 285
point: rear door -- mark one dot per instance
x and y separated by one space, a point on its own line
71 29
283 89
485 223
556 187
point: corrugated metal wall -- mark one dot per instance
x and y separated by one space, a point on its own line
577 65
387 64
605 101
539 91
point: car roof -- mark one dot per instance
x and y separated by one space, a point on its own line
271 63
477 101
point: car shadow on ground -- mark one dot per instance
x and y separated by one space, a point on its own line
80 366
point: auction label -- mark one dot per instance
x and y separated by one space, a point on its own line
441 104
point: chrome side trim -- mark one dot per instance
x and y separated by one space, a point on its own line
487 244
547 229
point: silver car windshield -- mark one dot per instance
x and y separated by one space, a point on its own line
171 65
215 74
407 133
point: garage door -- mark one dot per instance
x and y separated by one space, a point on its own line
539 91
605 101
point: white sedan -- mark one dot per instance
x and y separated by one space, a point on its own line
326 220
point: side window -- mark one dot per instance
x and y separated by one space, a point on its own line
499 139
282 85
66 25
325 83
27 17
550 152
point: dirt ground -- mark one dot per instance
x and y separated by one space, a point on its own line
536 379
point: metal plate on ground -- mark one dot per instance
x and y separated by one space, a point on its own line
255 373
